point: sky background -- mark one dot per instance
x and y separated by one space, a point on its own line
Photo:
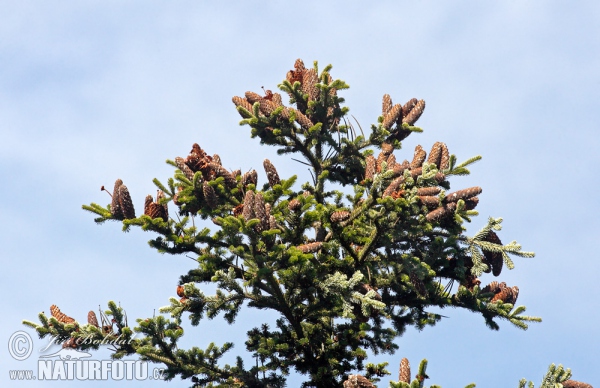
99 90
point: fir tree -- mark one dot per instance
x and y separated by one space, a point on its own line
347 273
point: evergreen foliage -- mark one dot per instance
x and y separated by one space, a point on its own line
347 273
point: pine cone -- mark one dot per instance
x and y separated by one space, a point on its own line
61 317
358 381
221 171
92 320
294 205
115 206
339 216
386 104
159 196
393 186
400 168
302 119
248 212
435 154
125 203
253 97
261 212
404 374
575 384
392 116
419 157
309 82
370 167
428 191
471 203
463 194
494 259
310 247
273 223
189 174
444 158
217 159
414 113
271 171
429 201
180 291
239 101
441 212
267 107
380 159
410 104
391 162
250 177
493 287
277 99
418 284
209 195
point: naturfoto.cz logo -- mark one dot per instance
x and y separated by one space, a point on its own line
72 364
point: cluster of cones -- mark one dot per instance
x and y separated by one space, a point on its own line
428 196
307 79
502 292
359 381
396 115
121 206
107 327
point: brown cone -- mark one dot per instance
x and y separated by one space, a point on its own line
249 177
418 284
61 317
370 167
125 203
415 113
494 259
435 154
294 205
386 104
471 203
248 211
92 320
408 106
272 174
311 247
358 381
209 195
391 116
302 119
180 162
419 157
428 191
441 212
253 97
309 82
382 157
431 202
404 374
261 212
393 186
115 206
444 158
463 194
239 101
575 384
340 216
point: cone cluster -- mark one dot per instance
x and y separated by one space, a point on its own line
398 114
502 292
358 381
155 209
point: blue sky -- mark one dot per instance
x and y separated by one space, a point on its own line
99 90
